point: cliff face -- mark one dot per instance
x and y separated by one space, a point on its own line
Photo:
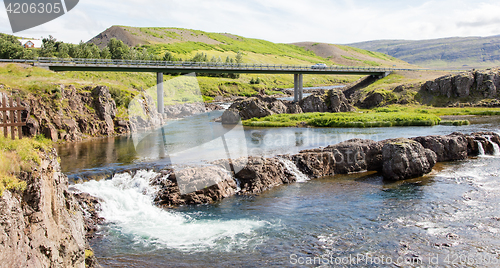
479 88
43 226
73 114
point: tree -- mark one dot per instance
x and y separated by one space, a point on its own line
105 54
49 46
200 57
239 57
118 49
10 47
168 56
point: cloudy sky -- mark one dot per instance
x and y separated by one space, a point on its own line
284 21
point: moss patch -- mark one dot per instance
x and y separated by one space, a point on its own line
19 155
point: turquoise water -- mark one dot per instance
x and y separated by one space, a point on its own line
448 217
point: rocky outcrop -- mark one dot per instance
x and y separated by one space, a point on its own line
42 226
354 155
72 114
257 107
188 109
261 174
332 101
105 107
447 148
395 159
199 185
486 139
404 159
315 164
373 99
478 84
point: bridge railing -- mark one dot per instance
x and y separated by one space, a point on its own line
80 61
200 65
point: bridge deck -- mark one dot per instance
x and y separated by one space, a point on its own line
197 67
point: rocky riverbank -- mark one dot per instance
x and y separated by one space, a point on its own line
474 88
43 226
394 159
332 101
75 114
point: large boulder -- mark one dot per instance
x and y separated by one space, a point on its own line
447 148
257 107
354 155
333 101
195 185
315 165
313 104
405 159
338 102
262 173
373 99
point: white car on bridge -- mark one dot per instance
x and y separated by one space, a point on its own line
319 66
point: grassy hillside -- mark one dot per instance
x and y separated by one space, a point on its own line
185 44
451 53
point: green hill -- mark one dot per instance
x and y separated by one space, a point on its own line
445 53
185 44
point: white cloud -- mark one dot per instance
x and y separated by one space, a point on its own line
340 21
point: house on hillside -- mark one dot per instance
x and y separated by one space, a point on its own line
31 43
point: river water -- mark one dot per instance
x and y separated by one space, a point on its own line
449 217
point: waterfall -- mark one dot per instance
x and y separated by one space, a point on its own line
481 149
496 148
292 168
127 205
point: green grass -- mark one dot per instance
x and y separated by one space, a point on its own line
442 111
19 155
354 119
455 122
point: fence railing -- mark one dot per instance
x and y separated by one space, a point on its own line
12 120
207 65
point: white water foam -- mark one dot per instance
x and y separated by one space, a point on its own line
481 149
127 203
496 148
290 166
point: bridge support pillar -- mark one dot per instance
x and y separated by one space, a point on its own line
298 88
159 92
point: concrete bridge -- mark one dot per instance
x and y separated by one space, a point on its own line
161 67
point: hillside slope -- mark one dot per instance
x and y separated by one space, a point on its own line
185 44
456 52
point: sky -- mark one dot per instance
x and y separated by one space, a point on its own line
282 21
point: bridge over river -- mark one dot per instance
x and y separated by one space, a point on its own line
161 67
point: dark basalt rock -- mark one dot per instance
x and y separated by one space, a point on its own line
447 148
405 159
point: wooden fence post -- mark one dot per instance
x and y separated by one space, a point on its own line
15 121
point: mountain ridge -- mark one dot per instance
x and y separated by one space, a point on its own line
450 52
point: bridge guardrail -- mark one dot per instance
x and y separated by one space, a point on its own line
207 65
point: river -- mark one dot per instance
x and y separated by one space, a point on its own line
448 217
